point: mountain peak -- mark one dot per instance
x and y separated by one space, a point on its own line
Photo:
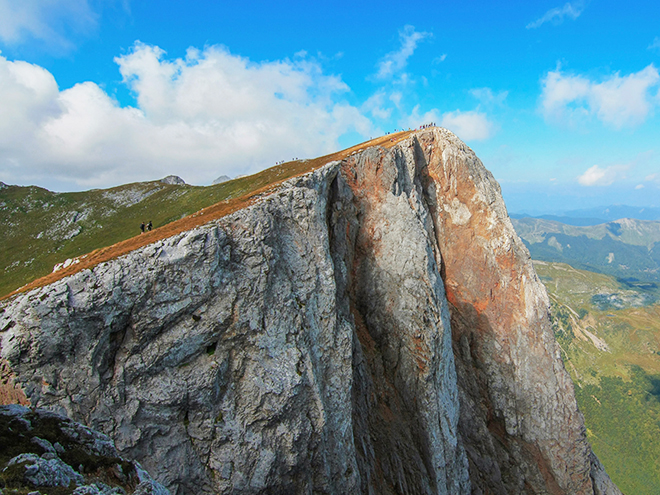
221 179
370 324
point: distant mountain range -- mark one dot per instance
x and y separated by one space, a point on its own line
598 215
628 249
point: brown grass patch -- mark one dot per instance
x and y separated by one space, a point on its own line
266 182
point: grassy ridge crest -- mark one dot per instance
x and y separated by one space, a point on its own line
44 228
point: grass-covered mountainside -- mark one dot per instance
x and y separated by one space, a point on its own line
627 249
610 343
42 228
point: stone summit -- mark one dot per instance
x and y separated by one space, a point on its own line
370 326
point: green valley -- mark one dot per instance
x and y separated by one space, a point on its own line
610 343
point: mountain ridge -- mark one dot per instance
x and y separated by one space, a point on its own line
115 237
628 249
594 216
374 325
628 230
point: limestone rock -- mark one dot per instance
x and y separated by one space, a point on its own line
43 450
374 326
173 180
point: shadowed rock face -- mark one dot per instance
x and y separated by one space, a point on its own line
405 397
374 326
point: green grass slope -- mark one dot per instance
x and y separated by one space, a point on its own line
610 342
43 228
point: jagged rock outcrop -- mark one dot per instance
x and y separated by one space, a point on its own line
374 326
41 450
173 180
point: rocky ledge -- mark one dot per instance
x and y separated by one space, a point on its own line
43 452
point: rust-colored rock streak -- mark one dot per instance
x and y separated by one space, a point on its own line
519 418
10 388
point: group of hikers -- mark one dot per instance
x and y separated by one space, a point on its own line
146 227
282 161
423 126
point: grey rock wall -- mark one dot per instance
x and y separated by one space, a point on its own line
331 338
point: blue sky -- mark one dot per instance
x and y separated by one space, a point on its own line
560 100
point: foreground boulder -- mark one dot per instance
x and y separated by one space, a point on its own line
373 326
41 450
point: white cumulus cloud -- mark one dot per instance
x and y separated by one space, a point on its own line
597 176
558 14
208 114
375 105
617 101
396 61
469 126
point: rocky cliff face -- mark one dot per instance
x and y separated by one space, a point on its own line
374 326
